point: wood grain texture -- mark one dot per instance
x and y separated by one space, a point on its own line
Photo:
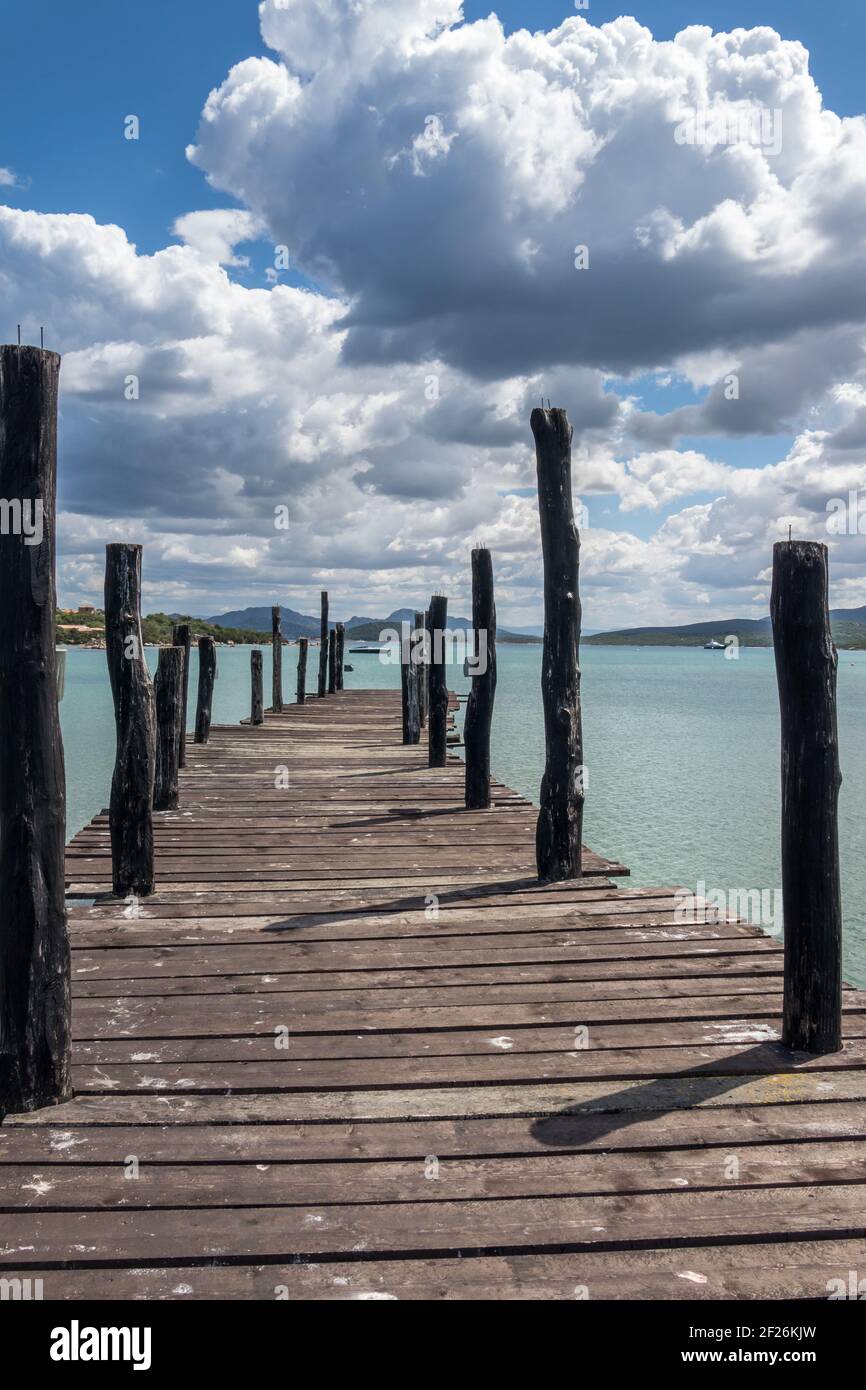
257 698
168 699
277 659
323 646
437 685
182 637
207 671
301 688
558 837
34 949
131 808
479 707
806 671
340 650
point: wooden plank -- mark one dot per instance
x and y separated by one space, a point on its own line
263 957
295 1233
175 1132
461 930
740 972
690 1045
790 1269
425 1178
498 1067
232 1015
538 1101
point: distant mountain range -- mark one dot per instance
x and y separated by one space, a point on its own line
848 626
362 629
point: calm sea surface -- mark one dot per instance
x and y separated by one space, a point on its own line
681 751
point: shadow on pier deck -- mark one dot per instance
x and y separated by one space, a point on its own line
350 1049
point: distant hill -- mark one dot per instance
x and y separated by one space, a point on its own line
848 626
259 620
369 631
361 629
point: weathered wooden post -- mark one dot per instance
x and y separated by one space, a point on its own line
182 637
303 646
409 689
341 651
34 946
558 834
277 655
421 627
811 893
479 707
438 685
323 647
257 699
130 808
168 698
332 661
207 669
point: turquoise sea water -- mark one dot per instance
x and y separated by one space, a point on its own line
681 752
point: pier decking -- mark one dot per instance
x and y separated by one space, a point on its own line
350 1049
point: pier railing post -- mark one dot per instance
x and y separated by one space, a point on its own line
168 697
257 699
323 647
341 649
34 946
438 685
559 830
206 679
811 894
421 628
409 690
332 661
303 647
182 637
131 805
479 707
277 659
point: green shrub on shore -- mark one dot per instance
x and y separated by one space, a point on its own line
74 629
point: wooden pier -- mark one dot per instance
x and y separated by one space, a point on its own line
351 1049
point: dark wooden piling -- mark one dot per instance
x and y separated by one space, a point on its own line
479 707
168 700
130 808
303 647
560 819
341 653
277 659
409 690
34 947
332 661
257 699
323 647
421 663
182 637
811 894
207 665
437 684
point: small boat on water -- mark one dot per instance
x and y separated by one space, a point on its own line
370 648
714 646
347 667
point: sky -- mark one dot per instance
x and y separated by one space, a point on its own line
317 260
